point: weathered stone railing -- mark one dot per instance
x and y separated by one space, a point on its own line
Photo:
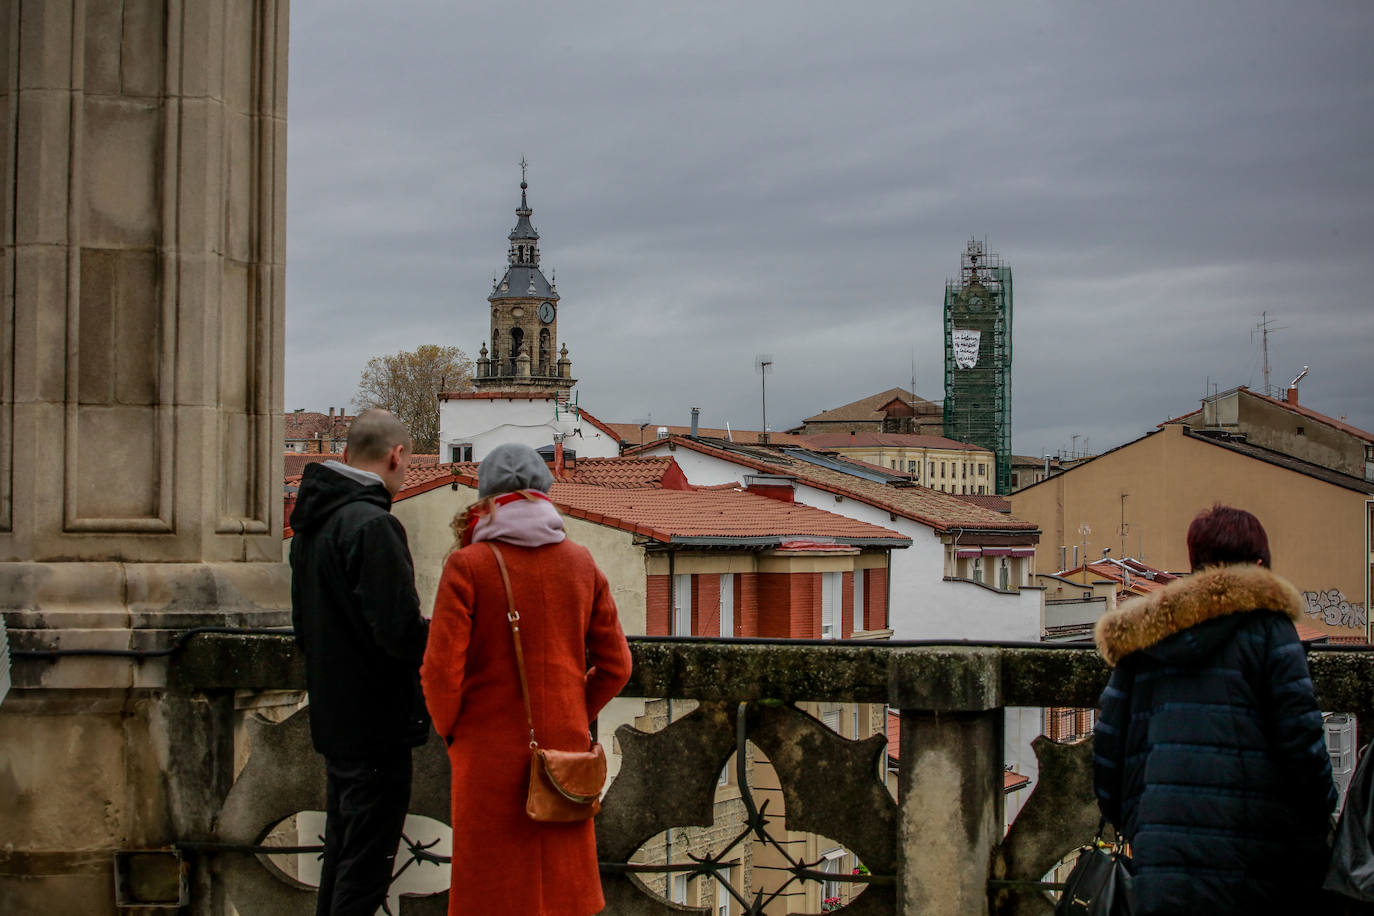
939 848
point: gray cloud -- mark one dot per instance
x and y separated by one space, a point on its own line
718 180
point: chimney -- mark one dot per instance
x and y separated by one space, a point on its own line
696 415
1293 395
773 486
331 413
557 457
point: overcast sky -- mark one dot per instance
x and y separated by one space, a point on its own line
712 181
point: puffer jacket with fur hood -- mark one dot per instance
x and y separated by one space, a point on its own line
1209 749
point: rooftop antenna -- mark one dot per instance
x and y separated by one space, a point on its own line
1264 327
763 364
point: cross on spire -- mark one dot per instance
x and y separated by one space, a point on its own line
523 165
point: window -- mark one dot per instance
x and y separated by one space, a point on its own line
1302 430
727 605
963 469
460 453
682 605
678 894
977 569
1004 575
830 890
942 469
894 464
1340 744
831 720
830 604
855 734
722 899
932 470
911 467
859 616
982 469
982 490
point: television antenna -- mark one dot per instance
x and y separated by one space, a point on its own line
1264 327
763 364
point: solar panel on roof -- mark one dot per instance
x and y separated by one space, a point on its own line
844 467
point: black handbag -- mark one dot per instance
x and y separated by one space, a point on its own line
1100 882
1352 858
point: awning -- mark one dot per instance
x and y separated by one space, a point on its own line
1023 551
968 553
997 551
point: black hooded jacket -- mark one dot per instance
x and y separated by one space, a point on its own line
357 617
1209 752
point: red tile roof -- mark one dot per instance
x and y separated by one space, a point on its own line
941 511
630 473
501 395
870 409
724 515
636 434
296 461
860 439
987 501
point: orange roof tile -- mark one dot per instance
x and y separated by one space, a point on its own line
712 515
624 473
941 511
637 434
861 439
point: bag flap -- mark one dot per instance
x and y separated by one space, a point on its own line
577 774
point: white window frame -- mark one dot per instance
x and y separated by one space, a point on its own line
727 605
859 615
722 907
678 888
830 604
831 865
682 604
832 718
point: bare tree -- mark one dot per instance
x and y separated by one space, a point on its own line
408 384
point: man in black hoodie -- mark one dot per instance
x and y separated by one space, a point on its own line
358 621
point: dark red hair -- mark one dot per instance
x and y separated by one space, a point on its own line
1225 534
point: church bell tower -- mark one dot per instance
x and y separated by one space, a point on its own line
521 354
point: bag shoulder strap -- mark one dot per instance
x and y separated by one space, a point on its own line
514 618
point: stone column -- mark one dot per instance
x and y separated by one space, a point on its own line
141 359
950 792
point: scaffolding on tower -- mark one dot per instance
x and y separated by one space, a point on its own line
978 310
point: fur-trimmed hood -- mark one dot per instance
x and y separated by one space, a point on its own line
1213 593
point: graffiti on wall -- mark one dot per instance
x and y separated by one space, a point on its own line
1332 609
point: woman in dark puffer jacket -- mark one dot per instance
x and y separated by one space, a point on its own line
1209 752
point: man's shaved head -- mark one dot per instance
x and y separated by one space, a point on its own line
374 434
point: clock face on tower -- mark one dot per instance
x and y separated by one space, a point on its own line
546 312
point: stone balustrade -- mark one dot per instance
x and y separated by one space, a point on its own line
938 847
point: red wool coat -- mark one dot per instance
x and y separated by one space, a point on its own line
576 660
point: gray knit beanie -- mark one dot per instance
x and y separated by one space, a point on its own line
512 467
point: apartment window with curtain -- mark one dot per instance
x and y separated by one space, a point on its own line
682 605
1004 575
830 604
977 569
727 605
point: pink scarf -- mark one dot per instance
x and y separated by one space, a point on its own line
522 522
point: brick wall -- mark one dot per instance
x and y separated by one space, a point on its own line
658 605
706 605
847 605
747 604
875 599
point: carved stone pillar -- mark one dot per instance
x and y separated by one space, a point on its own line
141 362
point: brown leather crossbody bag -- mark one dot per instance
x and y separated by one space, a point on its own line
564 785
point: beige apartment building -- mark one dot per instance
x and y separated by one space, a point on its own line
1138 499
933 461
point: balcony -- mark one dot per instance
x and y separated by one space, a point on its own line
939 847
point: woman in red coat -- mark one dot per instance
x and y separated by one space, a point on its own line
576 660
